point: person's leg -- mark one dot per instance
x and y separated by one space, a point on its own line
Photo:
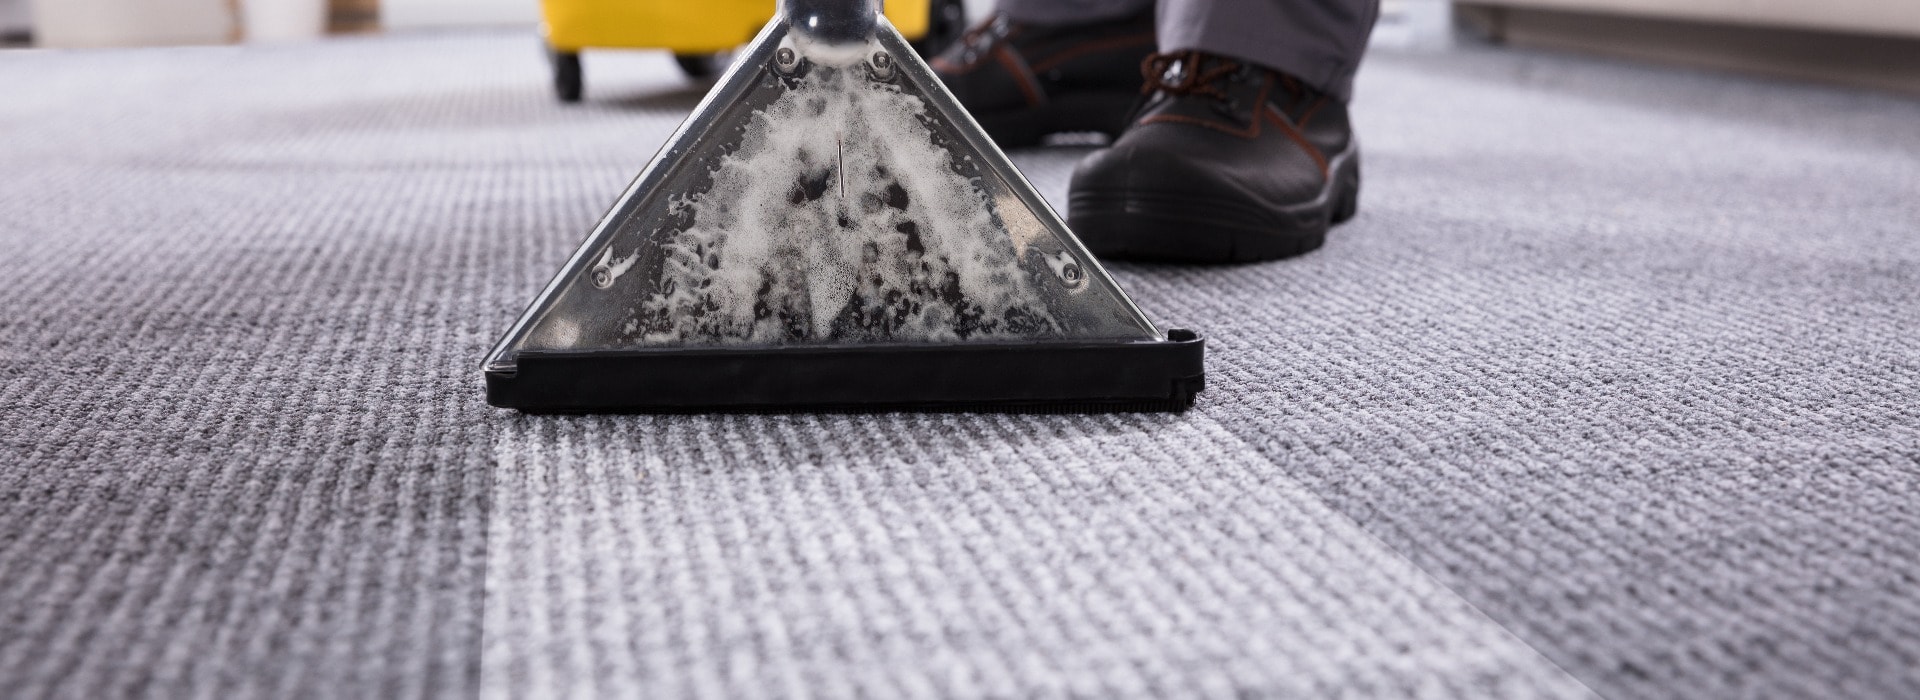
1065 12
1317 41
1036 67
1243 150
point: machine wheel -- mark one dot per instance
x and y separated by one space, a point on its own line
698 65
947 20
568 82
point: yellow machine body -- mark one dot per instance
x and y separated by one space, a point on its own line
683 27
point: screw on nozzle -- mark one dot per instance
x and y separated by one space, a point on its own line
786 61
831 21
880 65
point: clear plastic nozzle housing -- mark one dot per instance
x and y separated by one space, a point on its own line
812 202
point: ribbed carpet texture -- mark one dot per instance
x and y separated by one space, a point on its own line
1613 387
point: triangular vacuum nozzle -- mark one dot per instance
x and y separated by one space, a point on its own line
830 230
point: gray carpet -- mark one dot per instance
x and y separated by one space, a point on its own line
1613 386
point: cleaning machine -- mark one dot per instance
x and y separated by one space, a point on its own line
830 230
700 34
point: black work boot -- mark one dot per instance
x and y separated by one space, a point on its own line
1024 81
1225 162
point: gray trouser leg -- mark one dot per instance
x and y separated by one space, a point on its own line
1070 11
1318 41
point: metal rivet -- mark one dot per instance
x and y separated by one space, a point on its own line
786 61
882 65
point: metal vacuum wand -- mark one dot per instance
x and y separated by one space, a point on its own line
832 21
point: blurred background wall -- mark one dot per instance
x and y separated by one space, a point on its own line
73 23
1871 43
91 23
413 14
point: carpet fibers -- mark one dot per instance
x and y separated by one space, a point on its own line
1612 387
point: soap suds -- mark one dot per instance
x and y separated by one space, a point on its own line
826 53
839 219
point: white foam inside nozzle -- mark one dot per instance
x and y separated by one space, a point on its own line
839 214
831 54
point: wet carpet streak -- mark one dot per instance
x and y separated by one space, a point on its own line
1613 385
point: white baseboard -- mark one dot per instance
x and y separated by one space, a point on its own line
1876 17
1880 61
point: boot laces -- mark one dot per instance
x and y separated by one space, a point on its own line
1181 73
982 36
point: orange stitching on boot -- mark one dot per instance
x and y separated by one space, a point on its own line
1280 120
1021 77
1307 117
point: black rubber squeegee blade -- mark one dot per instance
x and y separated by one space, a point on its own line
830 230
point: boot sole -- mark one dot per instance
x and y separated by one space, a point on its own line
1161 227
1103 112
